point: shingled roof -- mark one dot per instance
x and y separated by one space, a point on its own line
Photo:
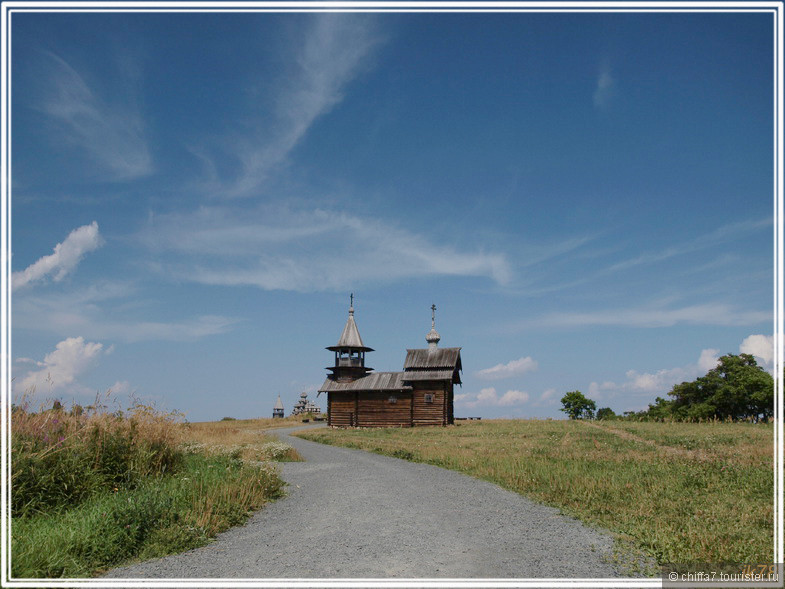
433 364
350 337
375 381
420 375
433 359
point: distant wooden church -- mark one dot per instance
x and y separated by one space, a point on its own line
420 395
278 408
304 405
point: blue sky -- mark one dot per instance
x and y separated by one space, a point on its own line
586 197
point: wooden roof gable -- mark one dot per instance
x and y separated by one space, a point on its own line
433 359
375 381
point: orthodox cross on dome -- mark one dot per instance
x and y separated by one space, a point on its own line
351 303
433 336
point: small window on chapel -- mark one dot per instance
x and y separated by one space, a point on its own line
393 399
428 397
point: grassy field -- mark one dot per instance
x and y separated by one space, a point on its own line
92 490
241 438
682 493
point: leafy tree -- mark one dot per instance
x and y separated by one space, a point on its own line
737 388
605 413
661 410
577 406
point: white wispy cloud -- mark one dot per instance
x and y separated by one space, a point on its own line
100 324
653 316
711 239
59 370
605 87
188 330
488 397
73 308
22 360
548 397
278 248
110 134
719 243
110 310
274 246
63 260
120 387
512 368
327 54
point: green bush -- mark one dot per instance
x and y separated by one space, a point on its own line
60 459
163 515
92 490
605 413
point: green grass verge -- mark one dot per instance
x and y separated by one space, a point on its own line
162 515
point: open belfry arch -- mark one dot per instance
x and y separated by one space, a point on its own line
422 394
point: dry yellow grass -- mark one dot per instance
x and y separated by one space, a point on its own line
242 438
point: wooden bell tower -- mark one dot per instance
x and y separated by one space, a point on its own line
349 352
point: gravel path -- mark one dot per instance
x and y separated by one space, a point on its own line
352 514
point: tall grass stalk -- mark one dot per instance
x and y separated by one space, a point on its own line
92 489
59 458
158 517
